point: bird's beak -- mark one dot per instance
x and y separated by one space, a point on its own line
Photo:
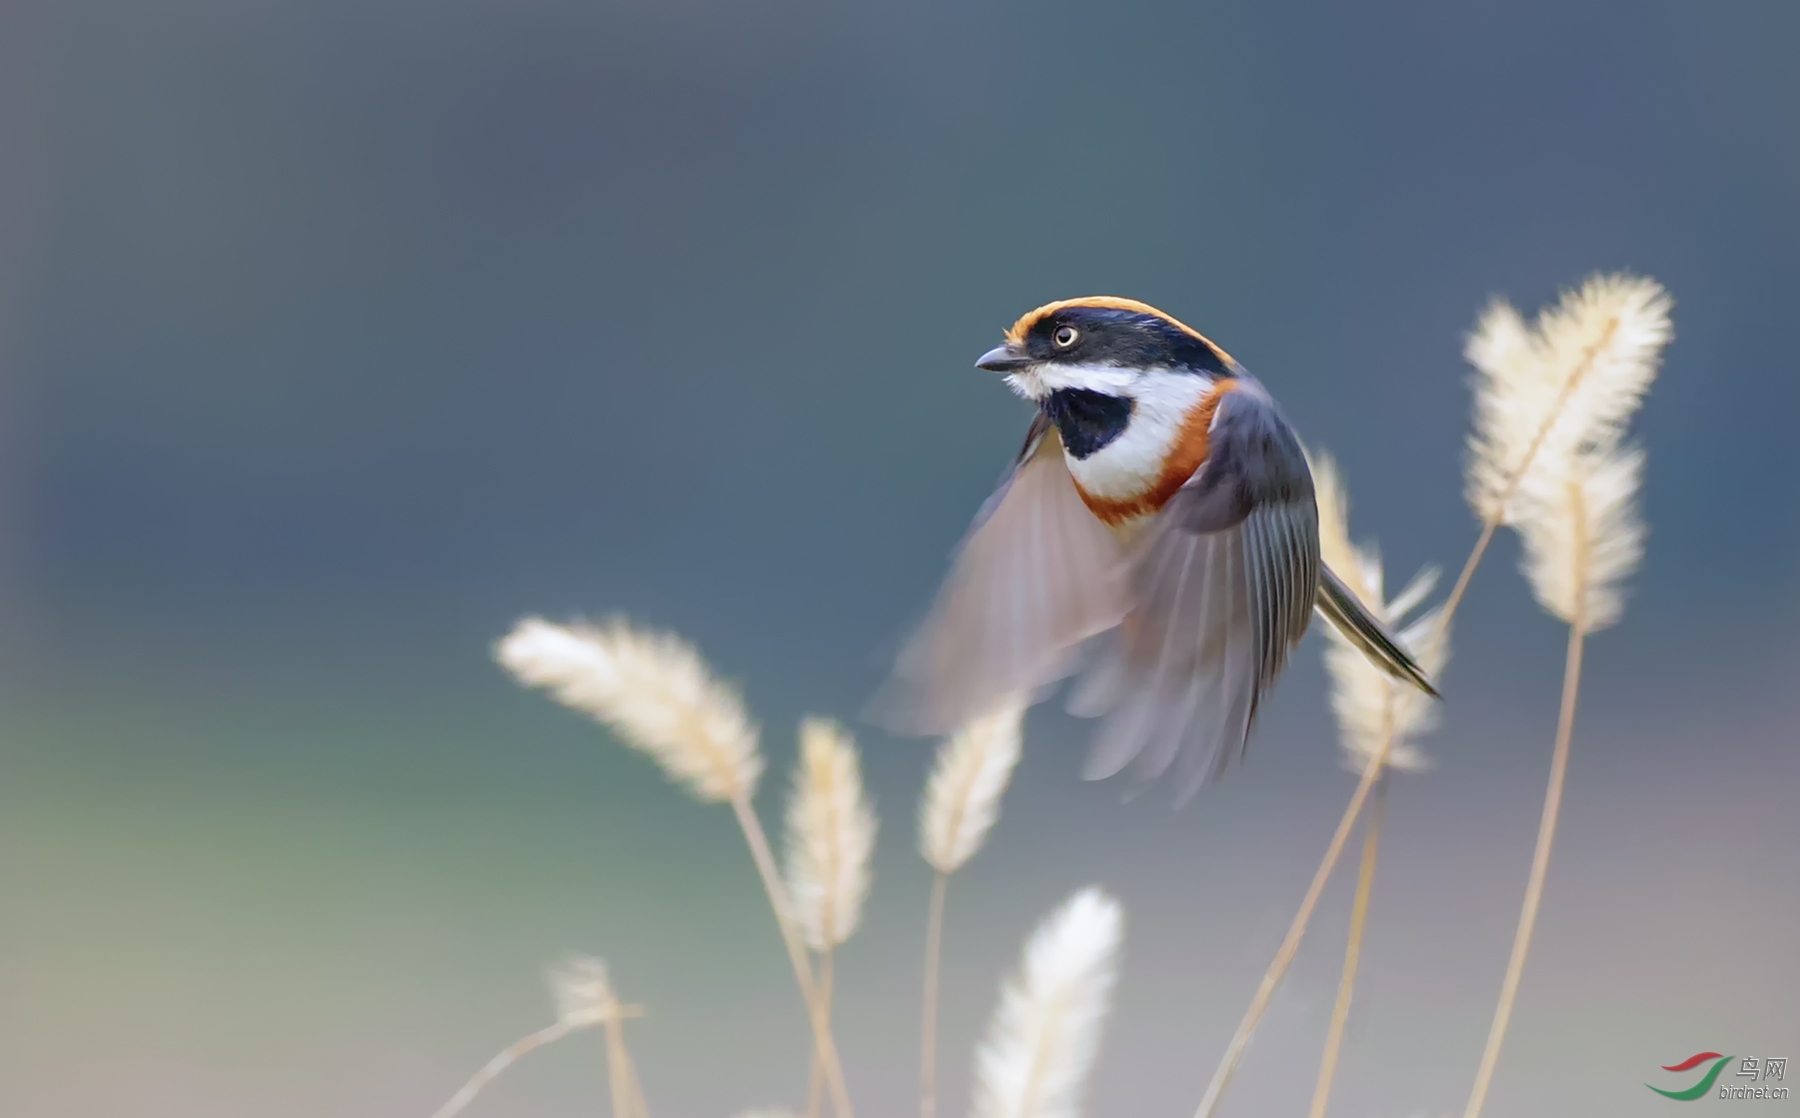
1003 359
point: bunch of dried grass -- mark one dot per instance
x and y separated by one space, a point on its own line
1552 401
1548 457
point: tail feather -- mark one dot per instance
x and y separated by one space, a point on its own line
1340 606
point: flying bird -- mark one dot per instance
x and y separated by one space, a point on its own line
1161 516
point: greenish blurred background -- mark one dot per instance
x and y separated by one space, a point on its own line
335 335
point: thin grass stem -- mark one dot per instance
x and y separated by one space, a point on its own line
1488 527
934 950
815 1088
1265 991
1540 865
823 1044
1359 914
640 1105
503 1060
617 1081
621 1078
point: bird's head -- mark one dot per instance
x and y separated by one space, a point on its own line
1100 344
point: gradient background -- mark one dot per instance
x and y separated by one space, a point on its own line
334 335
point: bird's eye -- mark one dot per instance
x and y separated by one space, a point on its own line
1065 336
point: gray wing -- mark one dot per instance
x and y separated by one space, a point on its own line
1339 605
1223 586
1036 577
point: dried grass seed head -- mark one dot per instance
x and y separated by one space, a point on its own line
962 797
830 835
1041 1044
1371 706
1582 533
652 690
582 992
1573 380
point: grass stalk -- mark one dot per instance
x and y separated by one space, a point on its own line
1540 864
503 1060
1359 914
619 1071
934 951
627 1093
1489 525
1265 990
815 1087
640 1105
823 1044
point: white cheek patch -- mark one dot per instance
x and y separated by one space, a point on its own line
1130 464
1039 381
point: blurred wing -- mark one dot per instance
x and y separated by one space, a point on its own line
1223 588
1037 575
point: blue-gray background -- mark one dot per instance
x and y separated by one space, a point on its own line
336 334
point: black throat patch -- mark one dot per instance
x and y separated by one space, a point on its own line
1087 420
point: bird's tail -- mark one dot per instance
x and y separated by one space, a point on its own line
1338 605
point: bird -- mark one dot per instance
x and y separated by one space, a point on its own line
1156 535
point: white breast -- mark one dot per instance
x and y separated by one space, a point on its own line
1127 466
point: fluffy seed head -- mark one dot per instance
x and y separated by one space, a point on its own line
830 835
1571 381
1371 706
582 992
962 799
1041 1044
652 690
1582 534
